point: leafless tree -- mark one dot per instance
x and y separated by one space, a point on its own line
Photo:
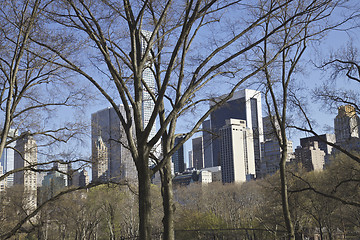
32 90
280 87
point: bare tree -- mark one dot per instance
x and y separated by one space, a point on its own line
280 88
32 89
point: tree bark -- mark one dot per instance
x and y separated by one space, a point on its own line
144 203
168 203
284 194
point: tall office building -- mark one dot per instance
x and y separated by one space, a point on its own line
271 156
178 157
26 155
207 142
111 158
7 158
271 128
190 159
244 105
237 152
271 151
197 153
148 77
346 124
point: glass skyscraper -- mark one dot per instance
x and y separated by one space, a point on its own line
7 158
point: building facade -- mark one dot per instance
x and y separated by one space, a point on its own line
271 153
26 155
2 182
148 77
7 158
237 152
207 142
346 124
178 157
197 153
321 139
111 159
310 156
244 105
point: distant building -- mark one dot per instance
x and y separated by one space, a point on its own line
190 159
100 160
198 153
2 182
346 124
178 157
148 103
205 176
192 176
322 145
237 152
310 156
215 173
270 148
7 157
52 184
272 156
26 155
63 169
208 137
271 128
186 178
112 160
83 178
244 105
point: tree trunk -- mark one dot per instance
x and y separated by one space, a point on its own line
168 204
284 194
144 203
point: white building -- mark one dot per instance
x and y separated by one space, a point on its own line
2 182
205 176
26 155
237 152
148 77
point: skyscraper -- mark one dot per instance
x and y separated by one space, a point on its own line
198 153
190 159
237 152
207 142
26 155
178 157
270 148
271 156
148 77
244 105
7 158
108 138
